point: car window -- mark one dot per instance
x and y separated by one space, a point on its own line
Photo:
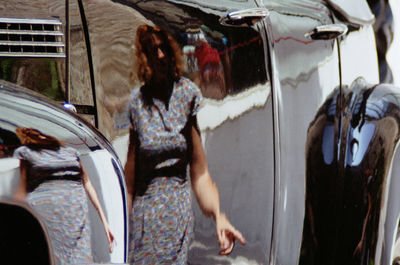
223 61
41 75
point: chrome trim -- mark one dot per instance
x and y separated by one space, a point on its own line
327 32
20 38
242 18
30 21
31 32
32 43
32 54
69 107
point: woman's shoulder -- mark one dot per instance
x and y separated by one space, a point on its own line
69 150
23 152
136 93
189 86
192 95
136 97
186 82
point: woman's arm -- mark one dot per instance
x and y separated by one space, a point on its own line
92 194
129 171
207 196
20 192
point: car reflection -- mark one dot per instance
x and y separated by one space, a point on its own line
61 202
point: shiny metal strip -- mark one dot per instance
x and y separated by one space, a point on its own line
30 21
32 43
252 14
327 32
31 32
32 54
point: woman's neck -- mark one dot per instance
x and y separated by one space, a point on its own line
161 90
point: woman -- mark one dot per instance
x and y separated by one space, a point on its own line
164 140
54 182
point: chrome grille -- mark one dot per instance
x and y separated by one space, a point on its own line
31 38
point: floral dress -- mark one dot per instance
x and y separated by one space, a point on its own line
161 224
56 193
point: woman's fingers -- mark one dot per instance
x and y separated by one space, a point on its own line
236 233
111 246
227 234
227 249
222 239
111 240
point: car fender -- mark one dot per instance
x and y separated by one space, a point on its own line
350 148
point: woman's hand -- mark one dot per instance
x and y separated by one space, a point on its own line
227 234
110 237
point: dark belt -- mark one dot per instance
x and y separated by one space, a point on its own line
35 181
64 177
142 181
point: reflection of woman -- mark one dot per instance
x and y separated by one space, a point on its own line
54 182
164 140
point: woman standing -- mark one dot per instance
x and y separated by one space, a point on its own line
54 182
164 140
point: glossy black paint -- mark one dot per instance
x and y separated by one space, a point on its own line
348 160
23 231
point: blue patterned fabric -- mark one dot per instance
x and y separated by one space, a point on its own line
63 207
161 223
161 220
62 204
48 164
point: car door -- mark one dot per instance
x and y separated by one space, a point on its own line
305 73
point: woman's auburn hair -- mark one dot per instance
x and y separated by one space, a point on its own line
143 39
34 138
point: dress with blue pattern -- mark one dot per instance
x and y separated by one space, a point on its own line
56 193
161 223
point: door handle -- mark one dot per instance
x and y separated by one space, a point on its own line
244 18
327 32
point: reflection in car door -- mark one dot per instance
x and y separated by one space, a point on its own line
229 66
305 72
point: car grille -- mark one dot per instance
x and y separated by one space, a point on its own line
31 38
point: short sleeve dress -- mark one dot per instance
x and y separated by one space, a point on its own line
56 193
161 223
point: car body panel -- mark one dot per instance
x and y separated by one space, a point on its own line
20 107
356 12
278 110
305 72
349 172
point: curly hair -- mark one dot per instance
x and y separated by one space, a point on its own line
144 35
36 139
